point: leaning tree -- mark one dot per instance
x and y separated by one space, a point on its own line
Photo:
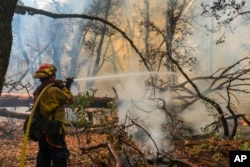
7 9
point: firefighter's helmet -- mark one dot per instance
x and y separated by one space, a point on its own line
45 70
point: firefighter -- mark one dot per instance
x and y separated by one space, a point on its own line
52 146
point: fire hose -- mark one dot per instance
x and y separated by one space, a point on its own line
26 136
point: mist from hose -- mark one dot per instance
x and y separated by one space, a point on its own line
134 74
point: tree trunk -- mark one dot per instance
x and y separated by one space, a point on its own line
7 8
99 49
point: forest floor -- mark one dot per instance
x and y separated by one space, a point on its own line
198 151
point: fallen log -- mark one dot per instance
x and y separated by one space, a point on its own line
26 100
98 102
15 100
11 114
23 100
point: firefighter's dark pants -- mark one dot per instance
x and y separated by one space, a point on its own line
53 153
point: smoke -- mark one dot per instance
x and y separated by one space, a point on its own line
60 6
195 117
137 106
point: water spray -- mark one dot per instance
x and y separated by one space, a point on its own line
120 76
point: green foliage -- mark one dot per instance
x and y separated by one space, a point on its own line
210 109
84 99
238 135
245 146
211 112
105 118
82 102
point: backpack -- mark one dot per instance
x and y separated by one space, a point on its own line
39 124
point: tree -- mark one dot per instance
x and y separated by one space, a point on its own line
7 9
166 38
225 12
101 31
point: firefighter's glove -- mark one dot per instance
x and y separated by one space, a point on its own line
69 82
59 84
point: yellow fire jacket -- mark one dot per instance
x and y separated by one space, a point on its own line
55 99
